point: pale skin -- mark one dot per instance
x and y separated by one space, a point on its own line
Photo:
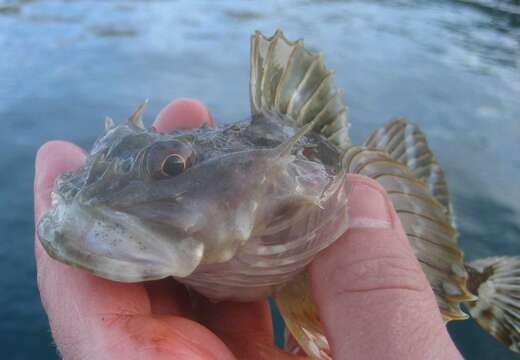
372 296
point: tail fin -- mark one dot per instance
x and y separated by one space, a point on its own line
496 281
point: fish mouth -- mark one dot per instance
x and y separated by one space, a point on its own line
116 245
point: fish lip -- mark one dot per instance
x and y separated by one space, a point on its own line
56 240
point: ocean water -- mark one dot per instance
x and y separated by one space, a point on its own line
453 67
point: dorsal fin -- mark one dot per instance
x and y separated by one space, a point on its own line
290 80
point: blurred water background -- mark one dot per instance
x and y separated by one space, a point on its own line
453 67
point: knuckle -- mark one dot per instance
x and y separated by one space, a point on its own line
365 180
379 274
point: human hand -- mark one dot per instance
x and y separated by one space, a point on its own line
373 298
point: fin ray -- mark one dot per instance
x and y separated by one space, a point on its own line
290 80
425 221
406 143
298 309
496 282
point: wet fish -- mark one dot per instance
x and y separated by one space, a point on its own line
237 212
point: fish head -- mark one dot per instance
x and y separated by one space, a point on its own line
147 205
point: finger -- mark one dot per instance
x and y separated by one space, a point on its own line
373 298
183 114
168 297
159 337
48 168
246 328
178 114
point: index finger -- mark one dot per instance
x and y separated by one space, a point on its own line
183 114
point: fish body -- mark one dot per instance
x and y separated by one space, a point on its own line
248 202
237 212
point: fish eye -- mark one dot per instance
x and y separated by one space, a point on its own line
173 165
166 159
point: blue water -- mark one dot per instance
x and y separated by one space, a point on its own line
451 66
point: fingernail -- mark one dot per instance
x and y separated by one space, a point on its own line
183 114
369 206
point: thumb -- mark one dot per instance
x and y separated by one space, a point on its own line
373 298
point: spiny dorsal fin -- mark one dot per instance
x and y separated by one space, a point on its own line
288 79
136 119
109 123
426 224
406 143
496 281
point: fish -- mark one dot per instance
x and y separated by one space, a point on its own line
239 211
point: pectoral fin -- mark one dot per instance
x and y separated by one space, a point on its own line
406 143
294 300
426 223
